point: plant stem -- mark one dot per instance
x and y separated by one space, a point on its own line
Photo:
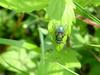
42 45
67 69
42 66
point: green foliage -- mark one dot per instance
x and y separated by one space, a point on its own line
61 15
87 13
88 3
21 44
32 44
16 60
23 5
61 57
95 71
57 7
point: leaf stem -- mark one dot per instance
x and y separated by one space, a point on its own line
67 69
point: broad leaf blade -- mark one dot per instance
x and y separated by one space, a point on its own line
23 5
61 15
55 9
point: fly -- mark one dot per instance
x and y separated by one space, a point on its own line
59 34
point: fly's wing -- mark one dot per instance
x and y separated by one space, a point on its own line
52 32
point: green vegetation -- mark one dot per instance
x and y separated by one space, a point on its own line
49 37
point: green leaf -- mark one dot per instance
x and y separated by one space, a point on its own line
68 58
95 70
56 69
20 44
68 62
94 45
42 68
68 16
24 5
96 2
56 9
61 15
17 59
